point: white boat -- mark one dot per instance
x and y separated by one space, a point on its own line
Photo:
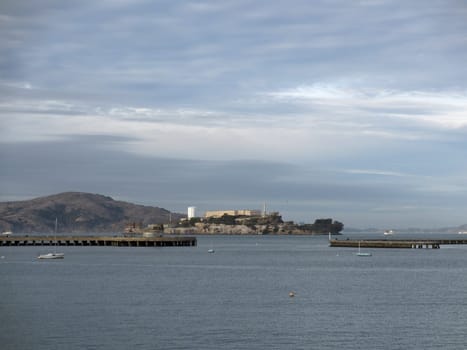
211 250
7 233
53 255
388 232
359 253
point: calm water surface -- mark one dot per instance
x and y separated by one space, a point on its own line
236 298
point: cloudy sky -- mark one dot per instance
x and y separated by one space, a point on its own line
355 110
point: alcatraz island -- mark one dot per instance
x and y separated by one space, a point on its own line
237 222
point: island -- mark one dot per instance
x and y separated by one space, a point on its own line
226 224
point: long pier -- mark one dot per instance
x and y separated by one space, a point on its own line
393 243
115 241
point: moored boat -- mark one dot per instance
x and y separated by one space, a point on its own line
360 253
51 256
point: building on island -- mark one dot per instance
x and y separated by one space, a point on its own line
241 212
191 212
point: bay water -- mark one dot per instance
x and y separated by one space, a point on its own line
235 298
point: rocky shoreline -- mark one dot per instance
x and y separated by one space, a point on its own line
320 227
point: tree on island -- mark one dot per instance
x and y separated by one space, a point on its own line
323 226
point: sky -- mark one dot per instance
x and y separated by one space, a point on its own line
351 110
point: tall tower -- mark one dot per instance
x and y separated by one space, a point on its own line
191 212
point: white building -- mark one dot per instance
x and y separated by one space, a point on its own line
191 212
241 212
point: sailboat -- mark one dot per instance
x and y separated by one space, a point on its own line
362 253
211 250
53 255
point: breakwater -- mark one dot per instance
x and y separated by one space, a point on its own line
393 243
115 241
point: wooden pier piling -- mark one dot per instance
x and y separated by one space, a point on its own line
116 241
392 243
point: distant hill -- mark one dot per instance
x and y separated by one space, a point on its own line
77 212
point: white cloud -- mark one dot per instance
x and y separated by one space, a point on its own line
179 132
445 109
375 172
329 121
25 85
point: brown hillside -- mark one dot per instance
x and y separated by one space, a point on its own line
77 212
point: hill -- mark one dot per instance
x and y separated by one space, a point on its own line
77 212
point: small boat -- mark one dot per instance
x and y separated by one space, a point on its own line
291 294
388 232
363 254
359 253
211 249
53 255
7 233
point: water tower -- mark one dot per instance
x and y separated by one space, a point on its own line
191 212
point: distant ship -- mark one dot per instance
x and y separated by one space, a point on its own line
388 232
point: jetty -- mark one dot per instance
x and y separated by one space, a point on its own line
112 241
393 243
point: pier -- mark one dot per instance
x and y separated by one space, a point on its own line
104 241
392 243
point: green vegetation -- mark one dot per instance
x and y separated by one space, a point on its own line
323 226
